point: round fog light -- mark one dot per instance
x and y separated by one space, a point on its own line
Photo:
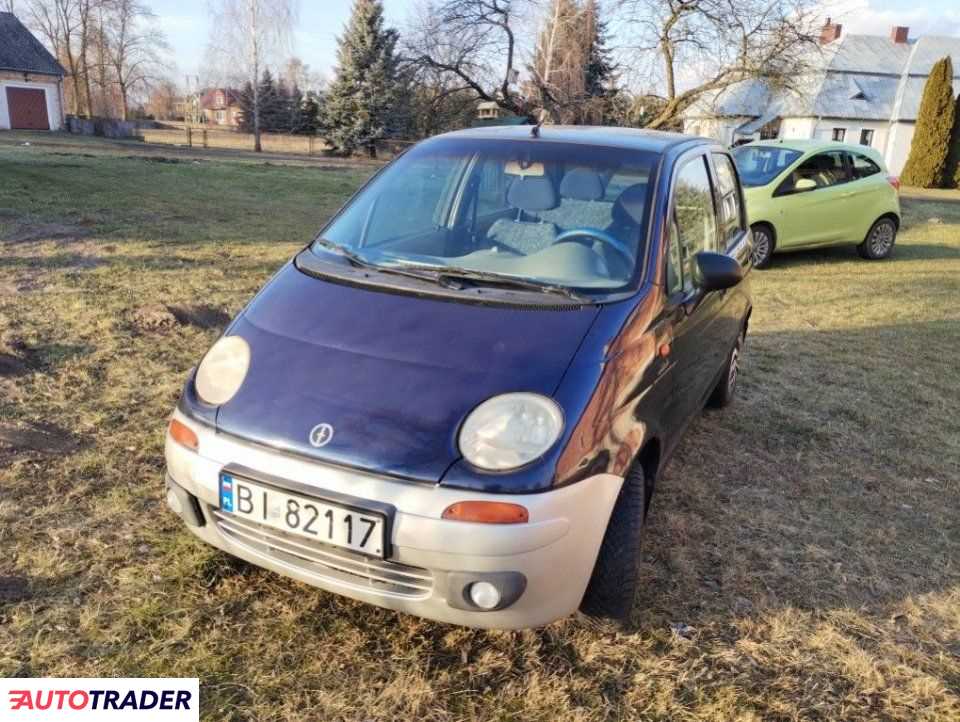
484 595
174 502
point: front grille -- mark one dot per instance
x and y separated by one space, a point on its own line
325 562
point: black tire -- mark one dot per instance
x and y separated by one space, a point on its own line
613 584
727 385
880 239
764 243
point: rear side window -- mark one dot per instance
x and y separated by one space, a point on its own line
824 169
696 215
863 167
731 214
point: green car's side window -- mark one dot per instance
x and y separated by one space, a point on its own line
696 215
863 167
824 169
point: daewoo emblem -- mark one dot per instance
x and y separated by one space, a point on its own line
320 435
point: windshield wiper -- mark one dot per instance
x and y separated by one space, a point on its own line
359 261
453 273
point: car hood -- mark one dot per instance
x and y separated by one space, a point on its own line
393 374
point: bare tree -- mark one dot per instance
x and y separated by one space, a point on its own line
719 43
246 35
475 42
8 6
63 24
133 47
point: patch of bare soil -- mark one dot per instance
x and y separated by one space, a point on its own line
14 589
11 365
42 438
200 315
33 232
153 318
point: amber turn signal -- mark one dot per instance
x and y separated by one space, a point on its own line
487 512
183 434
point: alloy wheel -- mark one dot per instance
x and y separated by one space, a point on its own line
881 239
761 247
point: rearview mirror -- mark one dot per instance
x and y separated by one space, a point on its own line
717 271
805 184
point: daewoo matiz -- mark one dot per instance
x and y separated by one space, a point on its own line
457 400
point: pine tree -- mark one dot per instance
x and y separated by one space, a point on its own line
272 103
599 73
931 139
246 101
360 102
951 178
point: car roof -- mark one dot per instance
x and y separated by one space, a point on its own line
632 138
807 146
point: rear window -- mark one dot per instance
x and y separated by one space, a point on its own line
760 164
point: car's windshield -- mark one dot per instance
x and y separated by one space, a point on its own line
760 164
570 215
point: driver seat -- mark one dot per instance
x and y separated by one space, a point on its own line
529 195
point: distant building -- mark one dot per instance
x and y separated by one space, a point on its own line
31 80
862 89
221 106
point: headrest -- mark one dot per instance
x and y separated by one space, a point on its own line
630 205
532 193
582 184
515 167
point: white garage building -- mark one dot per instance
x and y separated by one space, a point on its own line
863 89
31 80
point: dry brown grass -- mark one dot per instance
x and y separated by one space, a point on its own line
807 537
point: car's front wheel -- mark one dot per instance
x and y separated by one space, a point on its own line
879 241
613 583
763 244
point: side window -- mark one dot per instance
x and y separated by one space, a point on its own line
731 213
863 167
824 169
492 189
696 215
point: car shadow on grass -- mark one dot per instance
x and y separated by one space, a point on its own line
836 254
827 484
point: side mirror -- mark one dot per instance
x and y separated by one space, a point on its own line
805 184
717 271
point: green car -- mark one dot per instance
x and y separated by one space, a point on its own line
808 194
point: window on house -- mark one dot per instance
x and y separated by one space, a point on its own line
866 137
839 134
221 116
731 214
696 216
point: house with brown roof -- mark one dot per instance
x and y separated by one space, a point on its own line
31 80
221 106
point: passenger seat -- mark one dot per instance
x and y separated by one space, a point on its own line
530 195
581 204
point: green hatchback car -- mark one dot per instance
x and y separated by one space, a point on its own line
808 193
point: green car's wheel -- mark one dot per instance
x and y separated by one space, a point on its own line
879 241
763 244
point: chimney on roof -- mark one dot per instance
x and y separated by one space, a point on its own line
830 32
899 34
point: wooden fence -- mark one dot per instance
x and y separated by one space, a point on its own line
206 137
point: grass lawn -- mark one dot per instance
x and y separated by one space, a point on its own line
801 556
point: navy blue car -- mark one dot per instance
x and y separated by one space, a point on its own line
457 400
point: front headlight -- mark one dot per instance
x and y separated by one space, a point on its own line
508 431
222 370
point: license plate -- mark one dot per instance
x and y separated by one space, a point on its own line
303 516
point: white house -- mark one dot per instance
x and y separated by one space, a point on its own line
862 89
31 80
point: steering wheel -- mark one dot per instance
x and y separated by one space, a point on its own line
597 235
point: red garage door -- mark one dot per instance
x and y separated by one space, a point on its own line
28 109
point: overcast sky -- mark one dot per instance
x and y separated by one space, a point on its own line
187 26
